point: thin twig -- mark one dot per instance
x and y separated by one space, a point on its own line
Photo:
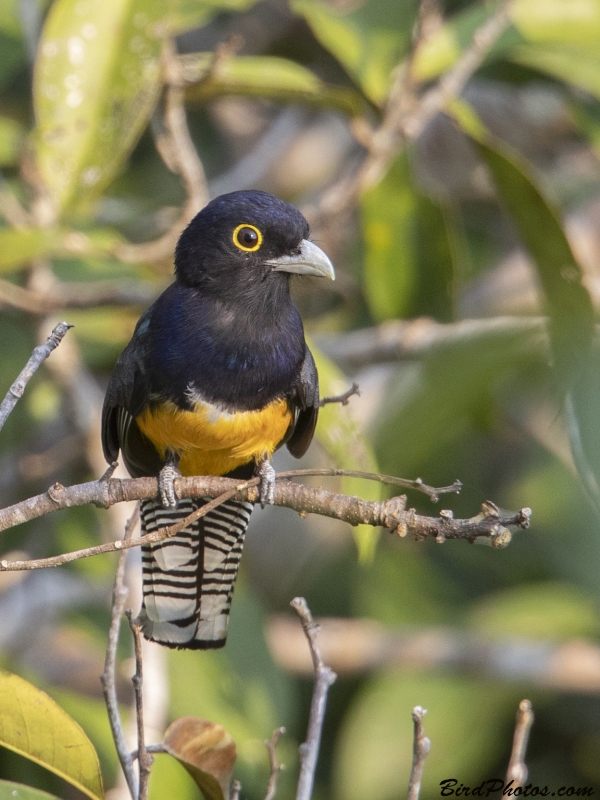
108 678
236 788
407 115
391 514
341 398
421 747
182 158
145 760
517 770
39 355
276 767
324 678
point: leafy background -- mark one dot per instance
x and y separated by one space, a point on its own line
493 211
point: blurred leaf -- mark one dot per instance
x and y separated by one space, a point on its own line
169 779
206 750
97 79
341 436
367 39
34 726
9 18
376 738
16 791
270 77
19 247
388 213
557 20
187 14
577 66
537 611
540 229
11 137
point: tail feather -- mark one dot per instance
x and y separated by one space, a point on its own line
188 580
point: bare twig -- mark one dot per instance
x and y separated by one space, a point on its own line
145 760
517 770
39 355
274 764
340 398
236 788
407 115
180 156
409 340
108 678
421 747
78 295
324 678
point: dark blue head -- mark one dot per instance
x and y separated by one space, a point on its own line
244 238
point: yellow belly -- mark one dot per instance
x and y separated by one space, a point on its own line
214 442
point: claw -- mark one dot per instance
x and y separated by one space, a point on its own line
165 485
267 483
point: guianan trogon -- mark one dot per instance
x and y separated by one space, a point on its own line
216 377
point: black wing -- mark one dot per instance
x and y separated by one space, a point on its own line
126 396
307 397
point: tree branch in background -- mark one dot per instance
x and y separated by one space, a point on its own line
343 399
421 747
406 115
411 340
274 764
39 355
144 759
109 677
517 770
179 154
236 788
324 678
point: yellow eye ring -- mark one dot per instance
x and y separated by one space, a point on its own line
247 237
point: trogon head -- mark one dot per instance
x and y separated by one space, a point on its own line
245 238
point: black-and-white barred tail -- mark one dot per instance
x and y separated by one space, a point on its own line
188 580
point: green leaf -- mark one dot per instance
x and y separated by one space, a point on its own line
388 214
537 611
270 77
206 751
377 732
17 791
11 138
367 39
340 435
539 226
97 79
20 247
187 14
34 726
557 20
577 66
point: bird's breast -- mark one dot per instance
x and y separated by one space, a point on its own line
211 440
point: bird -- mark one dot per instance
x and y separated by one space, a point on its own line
217 376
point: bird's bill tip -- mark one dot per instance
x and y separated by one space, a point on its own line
311 260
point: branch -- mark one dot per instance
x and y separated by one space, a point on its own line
324 678
391 514
108 678
236 788
410 340
177 149
341 398
39 355
517 770
406 115
145 760
421 747
276 767
78 294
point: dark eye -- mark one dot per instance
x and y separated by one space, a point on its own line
247 238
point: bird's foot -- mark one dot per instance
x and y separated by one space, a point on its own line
266 474
166 488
